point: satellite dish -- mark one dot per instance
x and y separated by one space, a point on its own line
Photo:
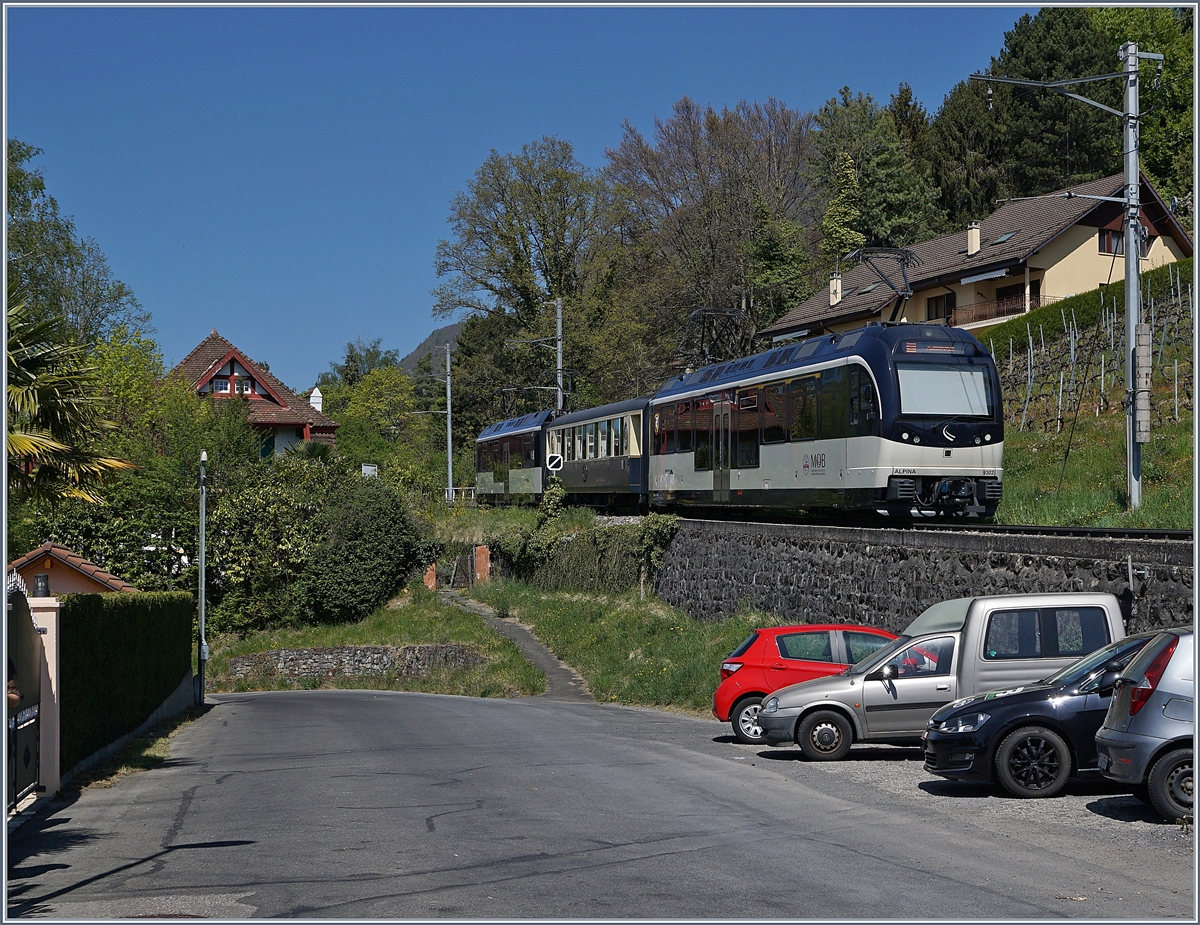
554 462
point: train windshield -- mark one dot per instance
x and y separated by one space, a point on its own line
960 389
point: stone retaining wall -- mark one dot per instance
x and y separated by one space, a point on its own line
886 577
352 661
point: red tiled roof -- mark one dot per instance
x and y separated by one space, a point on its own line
75 561
290 410
1036 221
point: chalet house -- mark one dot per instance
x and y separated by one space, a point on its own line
218 370
67 571
1028 253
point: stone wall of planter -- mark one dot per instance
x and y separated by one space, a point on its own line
352 661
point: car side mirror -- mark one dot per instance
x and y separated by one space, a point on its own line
1107 682
886 673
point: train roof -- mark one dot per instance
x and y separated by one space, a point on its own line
525 423
811 350
603 411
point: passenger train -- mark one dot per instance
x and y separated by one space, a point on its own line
899 419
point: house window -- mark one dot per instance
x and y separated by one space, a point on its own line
220 385
939 306
1112 241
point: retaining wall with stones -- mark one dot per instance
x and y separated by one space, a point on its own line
886 577
352 661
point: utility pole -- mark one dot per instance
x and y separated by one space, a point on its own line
203 656
449 437
558 364
1137 336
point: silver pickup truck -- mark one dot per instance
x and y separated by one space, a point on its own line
954 649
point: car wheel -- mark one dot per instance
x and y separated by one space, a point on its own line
1170 784
744 720
825 736
1033 762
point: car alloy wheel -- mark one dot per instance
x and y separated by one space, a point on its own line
745 721
825 736
1170 784
1033 762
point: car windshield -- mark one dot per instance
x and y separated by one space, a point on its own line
878 657
1076 672
960 389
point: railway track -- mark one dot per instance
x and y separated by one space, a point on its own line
942 525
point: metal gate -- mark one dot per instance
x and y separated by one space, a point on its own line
24 675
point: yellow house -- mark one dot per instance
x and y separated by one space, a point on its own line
1028 253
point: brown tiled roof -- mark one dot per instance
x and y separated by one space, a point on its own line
1036 221
292 410
75 561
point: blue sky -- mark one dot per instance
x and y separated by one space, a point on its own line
284 174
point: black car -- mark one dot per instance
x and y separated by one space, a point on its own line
1030 738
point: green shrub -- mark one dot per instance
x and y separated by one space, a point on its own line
120 657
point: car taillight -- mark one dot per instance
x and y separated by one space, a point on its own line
1140 694
728 668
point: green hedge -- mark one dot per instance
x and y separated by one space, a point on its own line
1086 309
120 657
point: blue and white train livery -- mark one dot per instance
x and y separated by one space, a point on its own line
898 419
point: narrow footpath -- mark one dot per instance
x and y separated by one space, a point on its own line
562 681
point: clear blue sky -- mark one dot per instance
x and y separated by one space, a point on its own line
284 174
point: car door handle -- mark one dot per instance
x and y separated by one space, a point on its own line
943 687
779 666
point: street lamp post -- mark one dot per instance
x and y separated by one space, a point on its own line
1137 368
203 656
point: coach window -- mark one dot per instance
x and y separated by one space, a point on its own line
864 404
618 437
602 443
633 432
833 420
530 448
804 407
774 413
745 454
577 439
665 422
684 422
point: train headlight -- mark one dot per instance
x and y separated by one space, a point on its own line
987 437
904 436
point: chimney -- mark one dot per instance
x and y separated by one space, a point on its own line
972 238
835 288
315 398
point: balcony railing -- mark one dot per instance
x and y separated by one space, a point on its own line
998 308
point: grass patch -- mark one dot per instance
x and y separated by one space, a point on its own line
1093 482
138 754
630 650
420 617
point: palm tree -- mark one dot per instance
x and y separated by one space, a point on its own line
53 412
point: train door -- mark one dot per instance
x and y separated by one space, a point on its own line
721 444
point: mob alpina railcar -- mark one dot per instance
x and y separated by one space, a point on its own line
898 419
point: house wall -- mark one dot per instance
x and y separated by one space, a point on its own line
1074 264
63 578
285 438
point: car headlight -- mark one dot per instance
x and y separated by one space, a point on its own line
967 722
770 705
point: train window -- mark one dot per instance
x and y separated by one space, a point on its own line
589 447
577 440
684 423
864 403
619 437
529 446
833 420
664 423
602 444
961 389
633 435
774 413
745 430
804 408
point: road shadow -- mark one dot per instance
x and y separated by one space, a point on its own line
857 753
961 789
1121 800
1126 807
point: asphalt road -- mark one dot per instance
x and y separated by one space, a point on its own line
357 804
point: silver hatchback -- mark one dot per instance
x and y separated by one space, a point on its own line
1146 739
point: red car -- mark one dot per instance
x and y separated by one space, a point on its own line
781 655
